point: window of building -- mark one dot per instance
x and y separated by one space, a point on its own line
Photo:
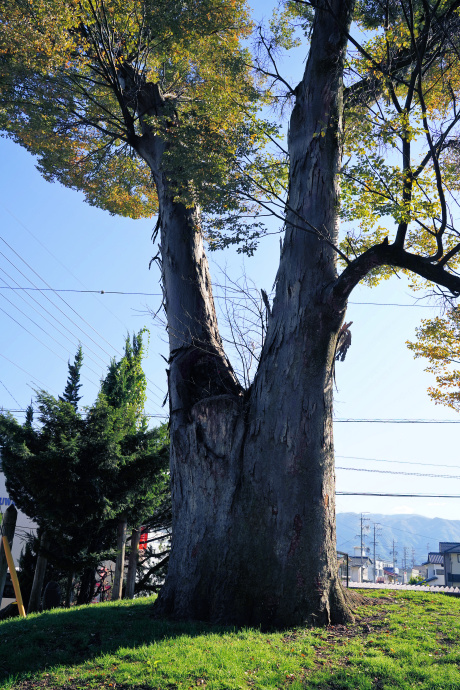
439 571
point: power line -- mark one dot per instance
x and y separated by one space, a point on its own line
66 268
64 347
93 292
397 421
159 294
60 322
19 411
49 288
9 393
409 474
363 493
61 298
25 372
394 304
74 336
398 462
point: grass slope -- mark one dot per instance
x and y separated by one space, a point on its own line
400 640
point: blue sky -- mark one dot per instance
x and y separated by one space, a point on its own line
50 237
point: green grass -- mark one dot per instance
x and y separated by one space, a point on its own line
400 640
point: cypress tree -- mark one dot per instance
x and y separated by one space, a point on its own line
73 381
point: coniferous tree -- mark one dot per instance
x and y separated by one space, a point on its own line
73 381
75 474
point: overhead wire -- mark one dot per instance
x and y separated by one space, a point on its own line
397 421
409 474
398 462
159 294
9 392
49 288
75 337
64 347
66 315
32 376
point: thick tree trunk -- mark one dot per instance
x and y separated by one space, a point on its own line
288 497
252 473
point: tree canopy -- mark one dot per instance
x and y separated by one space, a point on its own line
81 82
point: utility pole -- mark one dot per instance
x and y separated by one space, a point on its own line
395 554
406 552
377 533
413 557
363 530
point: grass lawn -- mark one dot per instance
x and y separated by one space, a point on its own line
399 640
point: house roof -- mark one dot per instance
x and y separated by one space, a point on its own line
452 546
434 557
357 560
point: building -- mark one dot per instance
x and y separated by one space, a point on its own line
451 555
435 569
23 527
360 566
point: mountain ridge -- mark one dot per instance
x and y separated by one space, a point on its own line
410 531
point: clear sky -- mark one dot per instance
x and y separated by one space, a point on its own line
50 237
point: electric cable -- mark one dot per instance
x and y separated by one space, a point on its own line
409 474
398 462
159 294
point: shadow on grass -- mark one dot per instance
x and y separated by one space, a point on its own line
71 636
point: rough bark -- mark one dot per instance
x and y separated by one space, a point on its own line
289 496
252 472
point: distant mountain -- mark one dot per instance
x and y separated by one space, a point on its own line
412 531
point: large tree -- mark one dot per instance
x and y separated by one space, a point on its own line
111 95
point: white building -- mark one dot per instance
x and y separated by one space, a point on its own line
24 526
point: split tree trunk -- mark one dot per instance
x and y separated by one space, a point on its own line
252 472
